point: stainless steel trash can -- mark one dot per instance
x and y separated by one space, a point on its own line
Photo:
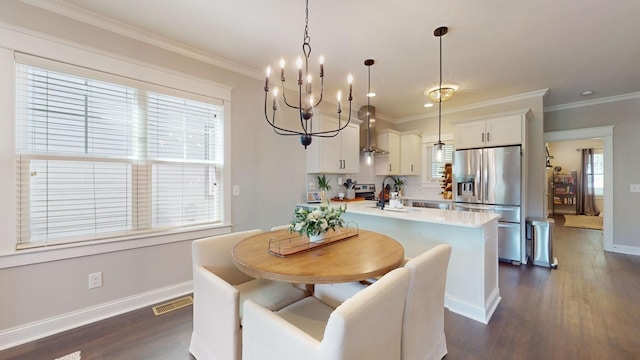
539 236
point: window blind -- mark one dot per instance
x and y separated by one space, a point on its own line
184 145
99 159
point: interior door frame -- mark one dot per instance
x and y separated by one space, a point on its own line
606 133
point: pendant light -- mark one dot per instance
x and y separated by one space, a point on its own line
369 153
439 146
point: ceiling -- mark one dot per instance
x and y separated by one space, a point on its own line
494 48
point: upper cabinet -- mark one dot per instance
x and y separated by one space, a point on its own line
404 153
410 153
334 155
388 164
507 129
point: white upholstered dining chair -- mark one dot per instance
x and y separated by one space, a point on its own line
423 336
366 326
219 290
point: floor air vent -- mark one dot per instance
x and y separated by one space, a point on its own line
173 305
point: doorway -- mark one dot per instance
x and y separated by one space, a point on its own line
564 175
606 133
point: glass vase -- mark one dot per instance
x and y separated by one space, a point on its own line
317 238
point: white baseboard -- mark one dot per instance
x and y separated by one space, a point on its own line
625 249
492 304
43 328
474 312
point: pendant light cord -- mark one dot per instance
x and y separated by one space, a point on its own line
440 97
369 109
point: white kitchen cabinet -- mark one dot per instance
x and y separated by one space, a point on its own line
410 153
494 131
469 135
388 164
334 155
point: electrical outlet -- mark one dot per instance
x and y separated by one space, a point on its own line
635 188
236 190
312 185
95 280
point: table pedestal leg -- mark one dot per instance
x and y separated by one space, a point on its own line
310 289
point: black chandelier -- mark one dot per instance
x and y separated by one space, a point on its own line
306 102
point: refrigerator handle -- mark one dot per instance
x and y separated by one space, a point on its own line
485 176
479 183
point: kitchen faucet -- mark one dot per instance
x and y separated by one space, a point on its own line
382 198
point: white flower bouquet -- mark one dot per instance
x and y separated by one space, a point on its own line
316 221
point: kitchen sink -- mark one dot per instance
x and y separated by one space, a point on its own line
432 205
404 209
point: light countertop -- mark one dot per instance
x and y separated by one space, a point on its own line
427 215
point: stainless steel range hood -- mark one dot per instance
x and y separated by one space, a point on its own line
369 132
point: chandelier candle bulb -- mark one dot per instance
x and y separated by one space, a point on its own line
339 98
321 66
275 95
266 81
282 64
350 81
299 65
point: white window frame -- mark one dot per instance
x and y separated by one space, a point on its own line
12 41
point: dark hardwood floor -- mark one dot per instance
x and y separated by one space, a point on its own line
588 308
135 335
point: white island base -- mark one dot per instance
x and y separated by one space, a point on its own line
472 276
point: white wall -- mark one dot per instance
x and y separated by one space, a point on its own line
42 296
624 115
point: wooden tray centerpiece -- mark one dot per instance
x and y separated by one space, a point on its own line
293 243
347 200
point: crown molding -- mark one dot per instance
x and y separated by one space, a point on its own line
65 9
483 104
604 100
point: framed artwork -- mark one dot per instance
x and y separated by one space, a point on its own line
314 196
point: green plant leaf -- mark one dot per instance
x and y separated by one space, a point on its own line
323 183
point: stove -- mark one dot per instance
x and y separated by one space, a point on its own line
366 191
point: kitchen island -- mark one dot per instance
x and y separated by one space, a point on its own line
472 276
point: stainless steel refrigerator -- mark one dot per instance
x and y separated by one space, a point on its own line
489 179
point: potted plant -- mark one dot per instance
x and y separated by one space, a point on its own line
315 222
323 185
397 186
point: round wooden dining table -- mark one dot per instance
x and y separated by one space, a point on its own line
366 255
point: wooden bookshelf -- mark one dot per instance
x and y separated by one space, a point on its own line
565 193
